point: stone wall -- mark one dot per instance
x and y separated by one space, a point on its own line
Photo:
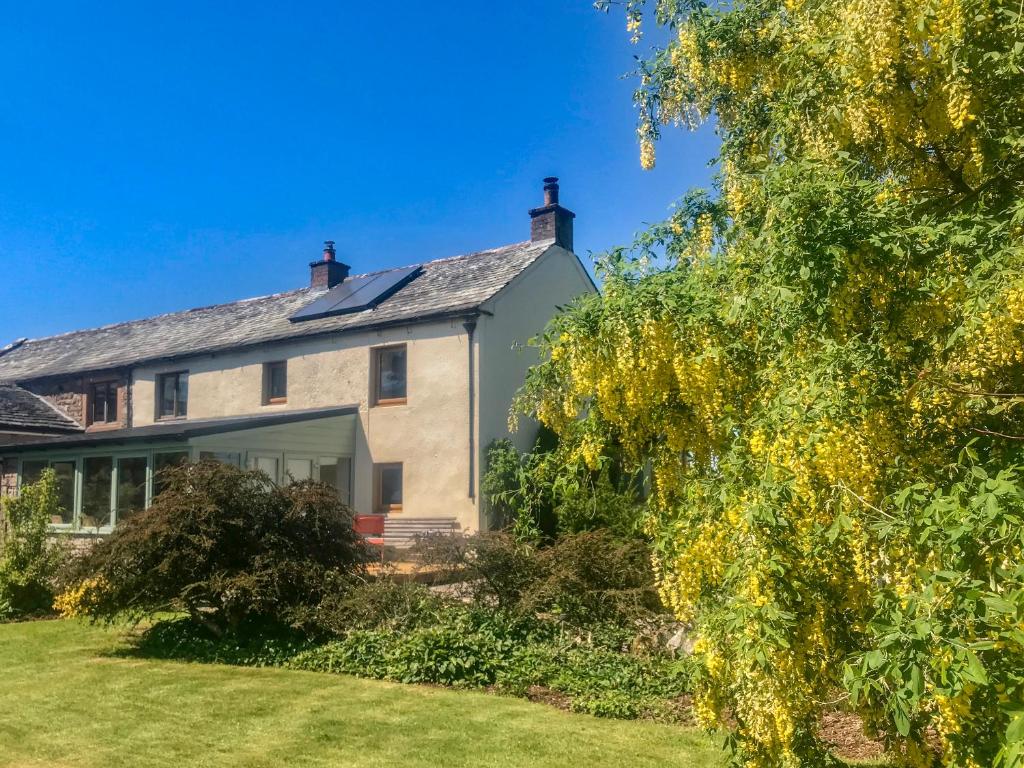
8 477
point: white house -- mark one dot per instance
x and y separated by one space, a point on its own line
389 385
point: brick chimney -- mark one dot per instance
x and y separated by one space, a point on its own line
327 272
551 220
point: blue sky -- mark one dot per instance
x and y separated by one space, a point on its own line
156 157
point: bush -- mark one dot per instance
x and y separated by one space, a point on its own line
226 546
29 557
590 578
488 568
539 496
378 604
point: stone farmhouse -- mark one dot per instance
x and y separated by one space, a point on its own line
389 386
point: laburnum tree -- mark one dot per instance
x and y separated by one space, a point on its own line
821 364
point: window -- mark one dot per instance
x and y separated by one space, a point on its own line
32 470
234 458
172 395
337 473
131 486
162 462
97 476
389 487
103 402
389 375
65 471
275 383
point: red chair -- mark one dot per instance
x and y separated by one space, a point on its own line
371 528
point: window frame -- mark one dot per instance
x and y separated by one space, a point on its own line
268 368
160 378
112 386
376 357
378 475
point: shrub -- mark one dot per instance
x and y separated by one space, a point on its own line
488 568
538 495
226 546
589 578
594 578
378 604
29 557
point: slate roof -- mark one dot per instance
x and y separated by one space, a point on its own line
22 411
446 287
173 430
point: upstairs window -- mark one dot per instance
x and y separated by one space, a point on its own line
103 402
275 383
172 395
389 375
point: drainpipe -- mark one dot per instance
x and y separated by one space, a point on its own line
129 415
470 326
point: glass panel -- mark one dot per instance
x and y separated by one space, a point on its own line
97 475
299 469
267 464
65 471
277 380
344 482
99 403
391 374
182 395
163 461
391 486
337 473
31 471
111 402
226 457
131 486
167 387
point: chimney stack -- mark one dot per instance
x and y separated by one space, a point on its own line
327 272
551 220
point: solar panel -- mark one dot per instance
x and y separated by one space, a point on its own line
357 294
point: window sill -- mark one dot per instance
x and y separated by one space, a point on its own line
391 401
276 401
171 418
104 426
389 510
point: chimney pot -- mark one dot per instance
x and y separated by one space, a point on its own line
327 272
551 190
551 221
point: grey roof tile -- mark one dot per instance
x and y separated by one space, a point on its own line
447 286
20 410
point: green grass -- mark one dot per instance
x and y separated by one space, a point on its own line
67 699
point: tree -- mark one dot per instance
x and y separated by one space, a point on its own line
226 546
29 557
823 363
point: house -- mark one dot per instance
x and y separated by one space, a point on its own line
388 386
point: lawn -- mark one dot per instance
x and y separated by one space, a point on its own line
68 699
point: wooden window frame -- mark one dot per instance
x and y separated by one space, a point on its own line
267 368
376 355
90 400
378 472
159 396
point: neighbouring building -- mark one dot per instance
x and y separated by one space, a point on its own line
388 386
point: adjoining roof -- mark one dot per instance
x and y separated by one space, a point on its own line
446 287
22 411
176 430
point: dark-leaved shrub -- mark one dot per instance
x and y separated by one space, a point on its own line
586 579
226 546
